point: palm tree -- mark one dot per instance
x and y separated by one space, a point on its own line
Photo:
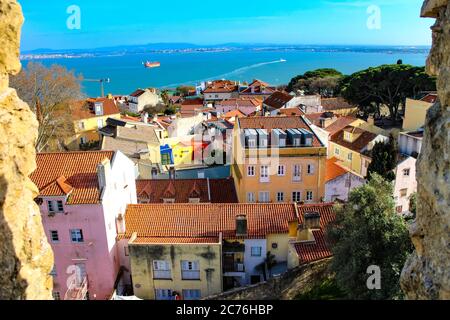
267 265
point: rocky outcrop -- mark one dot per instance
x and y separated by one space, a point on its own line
26 258
426 274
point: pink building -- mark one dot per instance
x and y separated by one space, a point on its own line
82 197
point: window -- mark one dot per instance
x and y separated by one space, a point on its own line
399 209
296 196
350 156
126 251
250 197
83 140
54 236
163 294
165 159
310 169
297 142
56 295
264 196
309 196
161 269
50 206
337 151
194 200
190 270
406 172
281 170
256 251
264 174
169 200
252 143
100 123
348 136
280 196
403 193
76 235
60 206
191 294
251 171
297 173
81 125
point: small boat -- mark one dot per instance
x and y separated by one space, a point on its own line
283 60
152 64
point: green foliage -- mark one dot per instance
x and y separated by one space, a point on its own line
413 204
387 85
328 289
320 81
367 231
131 114
384 159
170 110
184 90
267 265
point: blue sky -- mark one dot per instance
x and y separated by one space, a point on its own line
110 23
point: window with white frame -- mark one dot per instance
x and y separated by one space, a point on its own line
310 169
281 170
296 196
161 269
403 192
264 174
264 196
251 171
76 235
54 236
309 196
350 156
190 270
406 172
56 295
191 294
163 294
252 143
60 206
337 151
50 206
251 197
256 251
280 196
297 173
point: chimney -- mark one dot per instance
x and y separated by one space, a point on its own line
241 225
103 173
144 117
120 223
172 173
312 220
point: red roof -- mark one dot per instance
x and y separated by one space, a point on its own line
73 173
278 99
172 222
220 86
330 104
430 98
213 190
314 250
333 170
292 112
259 87
85 109
361 141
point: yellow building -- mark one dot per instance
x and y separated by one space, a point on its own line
415 113
278 159
88 117
351 146
197 250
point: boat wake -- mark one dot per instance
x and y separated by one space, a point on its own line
228 74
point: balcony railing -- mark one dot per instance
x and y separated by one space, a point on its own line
190 274
233 267
162 274
77 290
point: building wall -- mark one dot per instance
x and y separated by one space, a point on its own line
409 144
282 243
148 98
208 255
339 188
181 127
402 182
221 95
355 164
415 114
251 262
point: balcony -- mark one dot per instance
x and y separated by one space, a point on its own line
233 267
190 274
77 290
162 274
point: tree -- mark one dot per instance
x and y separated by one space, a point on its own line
267 265
413 204
49 92
320 81
384 159
386 85
368 232
184 90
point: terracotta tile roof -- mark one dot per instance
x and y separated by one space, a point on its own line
331 104
193 102
258 86
292 112
333 170
239 102
278 99
154 191
79 169
174 240
340 124
221 86
318 249
85 109
234 113
359 144
194 221
278 122
430 98
313 251
137 93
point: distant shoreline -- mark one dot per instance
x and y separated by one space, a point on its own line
135 50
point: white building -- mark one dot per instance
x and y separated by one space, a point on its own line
140 98
405 183
340 181
410 143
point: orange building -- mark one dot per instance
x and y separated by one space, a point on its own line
278 159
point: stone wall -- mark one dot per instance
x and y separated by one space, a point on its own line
285 287
426 274
26 258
